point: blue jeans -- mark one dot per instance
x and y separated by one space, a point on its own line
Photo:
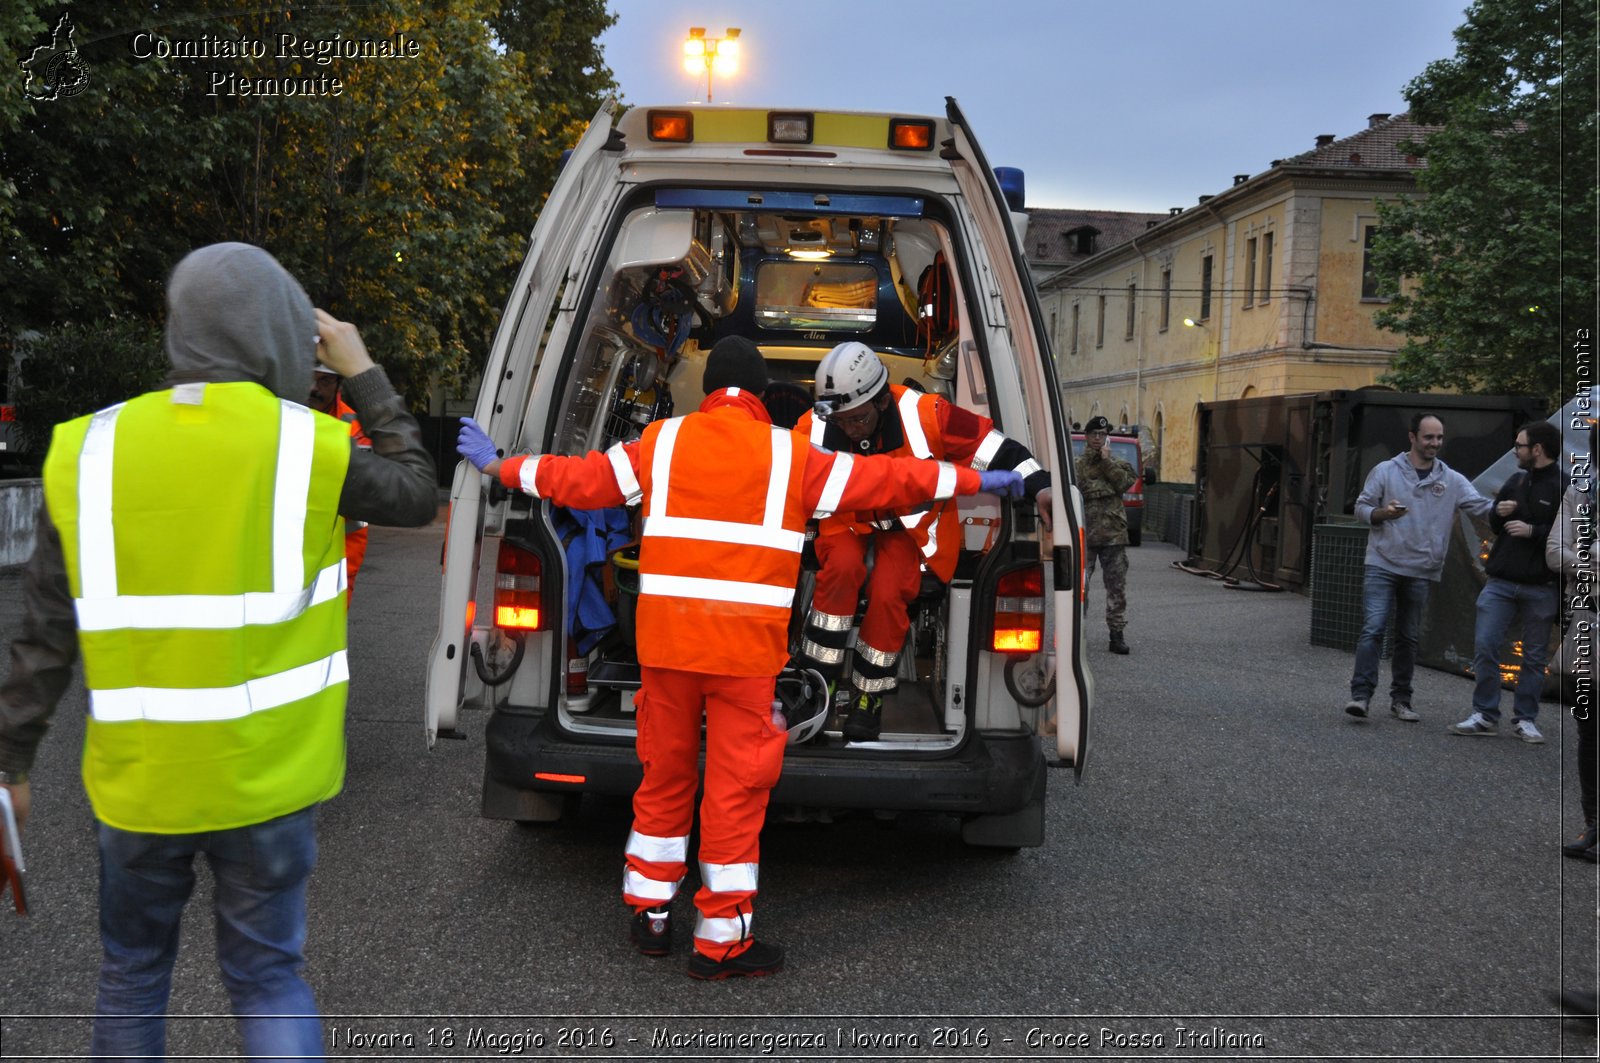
261 873
1499 603
1384 592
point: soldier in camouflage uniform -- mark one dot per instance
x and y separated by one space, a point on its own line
1102 479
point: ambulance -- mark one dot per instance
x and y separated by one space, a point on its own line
668 229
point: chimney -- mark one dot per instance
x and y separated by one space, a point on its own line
1241 178
1204 198
1324 139
1376 119
1174 210
1152 223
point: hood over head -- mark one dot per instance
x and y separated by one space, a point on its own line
234 313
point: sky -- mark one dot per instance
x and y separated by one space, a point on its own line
1104 104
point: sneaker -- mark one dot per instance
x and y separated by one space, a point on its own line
1474 725
1356 707
1401 710
651 932
1583 846
761 958
1118 645
1525 730
865 719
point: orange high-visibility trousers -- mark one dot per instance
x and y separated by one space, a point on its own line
744 756
355 549
892 585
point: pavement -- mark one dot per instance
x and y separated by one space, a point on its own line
1244 872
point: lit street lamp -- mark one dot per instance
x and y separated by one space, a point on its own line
714 55
1216 358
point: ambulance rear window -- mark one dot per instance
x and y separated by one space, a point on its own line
801 295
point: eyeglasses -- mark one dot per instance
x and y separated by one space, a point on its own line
1522 446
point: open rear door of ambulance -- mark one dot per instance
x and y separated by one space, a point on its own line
531 324
1019 316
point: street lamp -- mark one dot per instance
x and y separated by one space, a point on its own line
714 55
1216 357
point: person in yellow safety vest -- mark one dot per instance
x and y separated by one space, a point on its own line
325 398
191 546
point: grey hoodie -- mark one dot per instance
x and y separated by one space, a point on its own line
1415 544
233 313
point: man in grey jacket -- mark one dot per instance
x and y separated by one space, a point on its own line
1411 502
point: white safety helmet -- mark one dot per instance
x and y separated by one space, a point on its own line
802 700
848 376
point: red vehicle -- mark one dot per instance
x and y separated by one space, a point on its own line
1124 443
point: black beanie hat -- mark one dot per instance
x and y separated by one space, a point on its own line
735 362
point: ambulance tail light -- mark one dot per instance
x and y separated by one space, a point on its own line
518 598
1019 611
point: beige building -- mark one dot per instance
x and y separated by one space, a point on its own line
1272 273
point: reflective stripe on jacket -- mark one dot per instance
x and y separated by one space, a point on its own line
205 556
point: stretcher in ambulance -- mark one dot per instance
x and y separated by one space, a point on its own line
667 230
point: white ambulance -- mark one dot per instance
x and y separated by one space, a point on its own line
668 229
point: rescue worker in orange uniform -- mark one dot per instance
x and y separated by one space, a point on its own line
726 498
325 398
862 413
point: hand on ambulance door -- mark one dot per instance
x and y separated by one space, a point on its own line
339 346
1042 501
474 444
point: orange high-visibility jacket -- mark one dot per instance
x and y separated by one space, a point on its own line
726 497
923 426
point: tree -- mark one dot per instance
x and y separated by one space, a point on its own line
560 60
1499 248
402 202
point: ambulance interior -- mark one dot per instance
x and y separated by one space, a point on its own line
678 279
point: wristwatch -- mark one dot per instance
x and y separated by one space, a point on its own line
13 778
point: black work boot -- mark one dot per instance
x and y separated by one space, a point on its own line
1583 846
761 958
651 932
865 719
1117 643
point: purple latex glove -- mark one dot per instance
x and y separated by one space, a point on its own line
475 445
1005 483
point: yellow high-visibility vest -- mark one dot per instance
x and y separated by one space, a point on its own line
205 554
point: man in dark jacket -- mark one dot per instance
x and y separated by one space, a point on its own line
1519 584
232 527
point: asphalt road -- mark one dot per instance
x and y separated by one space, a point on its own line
1244 872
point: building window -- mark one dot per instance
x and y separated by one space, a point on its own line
1100 323
1372 286
1081 240
1266 267
1250 271
1053 333
1166 298
1205 288
1133 295
1075 308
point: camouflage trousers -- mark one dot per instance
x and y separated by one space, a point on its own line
1114 562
